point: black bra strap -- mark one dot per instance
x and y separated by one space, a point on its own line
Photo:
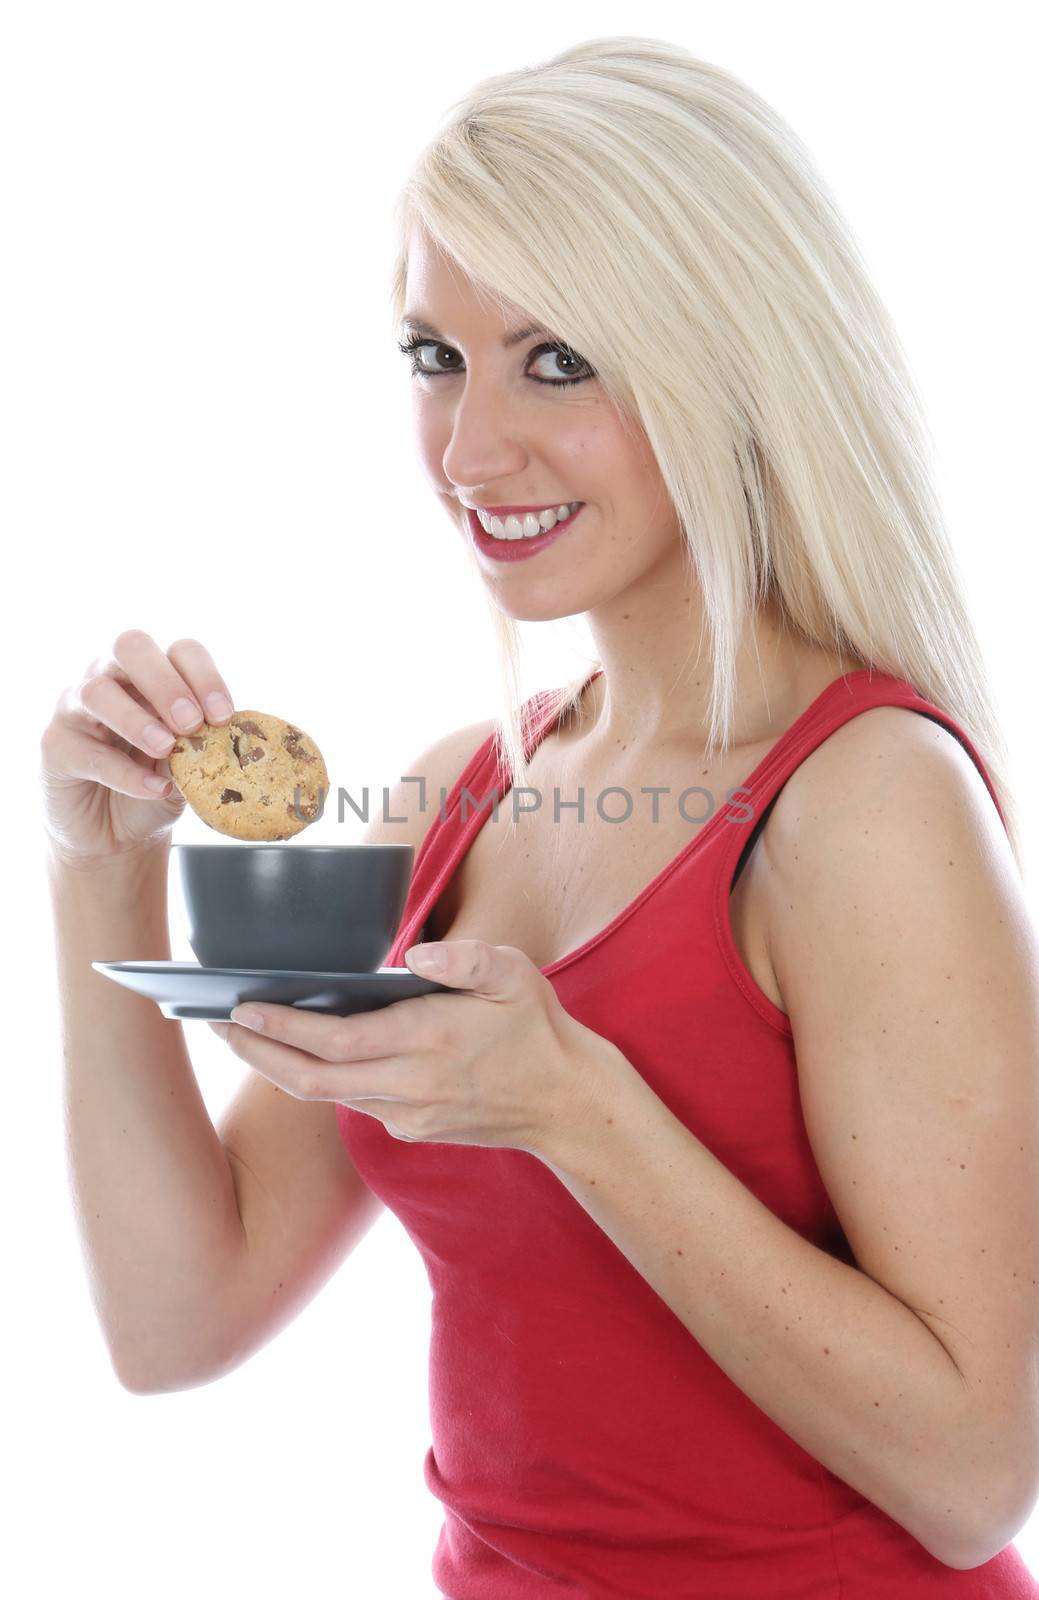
752 840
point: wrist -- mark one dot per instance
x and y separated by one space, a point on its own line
124 867
602 1088
114 860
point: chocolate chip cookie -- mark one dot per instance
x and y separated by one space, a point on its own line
256 777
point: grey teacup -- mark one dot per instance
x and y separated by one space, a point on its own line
298 908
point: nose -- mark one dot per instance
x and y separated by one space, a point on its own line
488 441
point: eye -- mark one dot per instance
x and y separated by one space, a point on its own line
563 361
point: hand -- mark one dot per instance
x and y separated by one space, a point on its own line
107 789
500 1062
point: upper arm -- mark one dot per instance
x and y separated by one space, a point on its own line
909 968
302 1202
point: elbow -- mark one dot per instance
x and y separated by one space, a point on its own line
130 1373
979 1554
1005 1516
158 1364
997 1535
135 1380
141 1385
132 1384
129 1377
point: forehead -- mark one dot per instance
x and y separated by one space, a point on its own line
439 291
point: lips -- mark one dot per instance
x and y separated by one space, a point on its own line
517 549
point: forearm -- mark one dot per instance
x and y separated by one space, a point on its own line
152 1186
841 1365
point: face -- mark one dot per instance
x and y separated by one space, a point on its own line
528 425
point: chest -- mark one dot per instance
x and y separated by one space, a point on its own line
556 879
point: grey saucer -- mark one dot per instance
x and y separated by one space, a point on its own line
183 990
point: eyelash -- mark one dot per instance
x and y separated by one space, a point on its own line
413 344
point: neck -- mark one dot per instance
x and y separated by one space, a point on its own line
650 695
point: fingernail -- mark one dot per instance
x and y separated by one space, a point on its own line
157 738
428 957
185 714
218 706
247 1017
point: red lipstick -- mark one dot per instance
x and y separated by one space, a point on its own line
516 549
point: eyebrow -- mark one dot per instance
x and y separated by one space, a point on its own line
517 336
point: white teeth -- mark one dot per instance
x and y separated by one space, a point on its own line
527 526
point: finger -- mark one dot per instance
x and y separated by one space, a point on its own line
307 1077
177 682
68 755
363 1036
195 664
493 971
107 702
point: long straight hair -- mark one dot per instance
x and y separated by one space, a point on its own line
701 266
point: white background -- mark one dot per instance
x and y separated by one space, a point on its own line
206 432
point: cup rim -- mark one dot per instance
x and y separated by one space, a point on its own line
325 849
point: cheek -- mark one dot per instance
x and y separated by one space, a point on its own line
430 443
424 439
603 461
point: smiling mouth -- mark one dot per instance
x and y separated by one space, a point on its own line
518 546
524 524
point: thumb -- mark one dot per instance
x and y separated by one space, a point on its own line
492 970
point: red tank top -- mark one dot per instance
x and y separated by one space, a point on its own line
583 1441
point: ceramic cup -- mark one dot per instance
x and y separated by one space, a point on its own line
293 907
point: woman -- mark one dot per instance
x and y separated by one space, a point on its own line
720 1156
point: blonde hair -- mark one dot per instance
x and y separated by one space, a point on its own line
701 266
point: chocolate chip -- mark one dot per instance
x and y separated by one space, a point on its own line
247 726
228 795
292 745
257 753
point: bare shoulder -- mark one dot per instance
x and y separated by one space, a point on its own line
884 739
894 767
879 805
414 797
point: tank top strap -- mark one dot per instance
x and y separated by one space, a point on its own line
845 698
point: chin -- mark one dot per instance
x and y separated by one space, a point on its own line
530 612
